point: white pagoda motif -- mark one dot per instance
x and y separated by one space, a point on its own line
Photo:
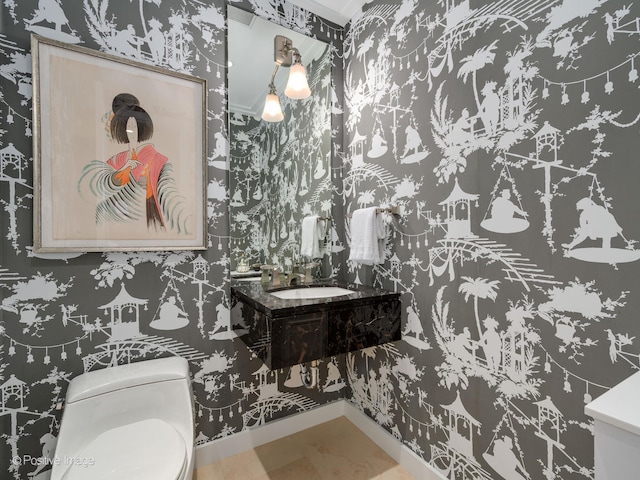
12 394
124 311
547 138
461 427
457 206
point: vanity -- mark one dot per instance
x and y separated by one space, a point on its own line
313 321
616 422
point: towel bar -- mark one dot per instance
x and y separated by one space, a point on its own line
393 210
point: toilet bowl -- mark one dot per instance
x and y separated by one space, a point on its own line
133 421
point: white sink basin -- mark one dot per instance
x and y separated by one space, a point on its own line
311 292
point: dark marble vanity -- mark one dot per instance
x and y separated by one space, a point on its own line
285 332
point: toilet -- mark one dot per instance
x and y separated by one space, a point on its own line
132 421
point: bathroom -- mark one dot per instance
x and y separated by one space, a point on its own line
514 314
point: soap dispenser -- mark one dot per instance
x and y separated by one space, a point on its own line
243 264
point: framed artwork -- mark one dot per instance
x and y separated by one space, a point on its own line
119 153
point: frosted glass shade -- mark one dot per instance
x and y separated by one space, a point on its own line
272 111
297 86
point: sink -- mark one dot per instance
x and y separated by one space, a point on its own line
311 292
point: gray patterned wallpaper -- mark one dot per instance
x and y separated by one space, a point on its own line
55 309
507 130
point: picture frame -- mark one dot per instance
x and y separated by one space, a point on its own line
119 153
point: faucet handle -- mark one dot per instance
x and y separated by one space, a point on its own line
275 274
308 269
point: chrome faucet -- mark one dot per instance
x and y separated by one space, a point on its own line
295 278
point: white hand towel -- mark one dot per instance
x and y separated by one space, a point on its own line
309 239
368 234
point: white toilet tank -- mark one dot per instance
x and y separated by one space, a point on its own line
103 400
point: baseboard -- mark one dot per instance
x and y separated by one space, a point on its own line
216 450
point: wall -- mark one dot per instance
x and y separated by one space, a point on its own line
507 130
506 330
279 173
52 323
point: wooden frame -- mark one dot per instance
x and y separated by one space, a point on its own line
119 153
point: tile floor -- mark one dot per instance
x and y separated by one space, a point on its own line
335 450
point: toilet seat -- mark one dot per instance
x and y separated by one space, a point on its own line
146 450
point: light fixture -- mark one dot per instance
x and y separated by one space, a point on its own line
297 86
272 111
285 55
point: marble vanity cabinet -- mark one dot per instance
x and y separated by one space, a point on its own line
286 332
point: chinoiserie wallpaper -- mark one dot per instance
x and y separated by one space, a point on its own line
508 131
56 309
280 173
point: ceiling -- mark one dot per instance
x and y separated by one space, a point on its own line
337 11
250 49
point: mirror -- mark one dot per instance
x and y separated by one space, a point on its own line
279 173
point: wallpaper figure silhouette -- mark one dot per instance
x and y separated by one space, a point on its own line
490 108
413 332
414 149
462 129
50 12
334 381
503 219
596 222
491 343
378 145
171 316
504 461
155 40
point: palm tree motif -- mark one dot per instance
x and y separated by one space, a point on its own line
479 288
368 353
364 47
472 63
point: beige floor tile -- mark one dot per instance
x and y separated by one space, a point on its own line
342 467
245 466
395 473
334 450
341 449
343 470
336 428
278 453
300 469
209 472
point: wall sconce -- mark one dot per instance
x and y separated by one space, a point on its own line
285 55
272 111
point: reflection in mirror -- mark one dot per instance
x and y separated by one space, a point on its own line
279 173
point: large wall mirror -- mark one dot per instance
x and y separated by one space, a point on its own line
279 172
